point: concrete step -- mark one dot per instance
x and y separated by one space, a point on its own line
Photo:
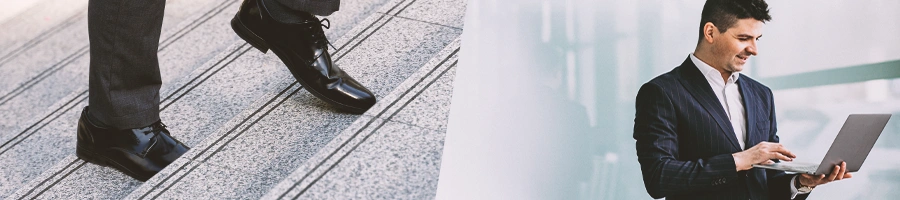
42 114
25 28
13 8
197 107
38 76
393 152
222 98
197 104
27 23
251 153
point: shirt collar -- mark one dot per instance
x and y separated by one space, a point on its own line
711 73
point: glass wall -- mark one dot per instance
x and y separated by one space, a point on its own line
823 60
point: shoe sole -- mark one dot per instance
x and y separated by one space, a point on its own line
91 156
248 36
257 42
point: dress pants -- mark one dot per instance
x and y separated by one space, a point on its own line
315 7
124 70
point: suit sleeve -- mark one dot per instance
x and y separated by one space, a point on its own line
655 132
779 182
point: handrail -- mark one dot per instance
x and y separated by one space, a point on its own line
852 74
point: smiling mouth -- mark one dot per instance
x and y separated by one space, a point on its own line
743 58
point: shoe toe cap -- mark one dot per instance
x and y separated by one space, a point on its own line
357 97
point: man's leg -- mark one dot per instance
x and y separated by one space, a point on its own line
121 127
124 69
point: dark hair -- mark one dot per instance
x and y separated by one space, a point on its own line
724 13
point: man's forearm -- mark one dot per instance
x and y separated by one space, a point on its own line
667 176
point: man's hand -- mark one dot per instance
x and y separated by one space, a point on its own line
763 153
839 173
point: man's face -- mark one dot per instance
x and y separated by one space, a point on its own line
733 47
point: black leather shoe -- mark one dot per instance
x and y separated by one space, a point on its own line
139 153
303 48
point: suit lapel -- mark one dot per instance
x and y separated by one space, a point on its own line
750 110
695 83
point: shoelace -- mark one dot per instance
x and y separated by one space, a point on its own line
158 128
319 34
161 126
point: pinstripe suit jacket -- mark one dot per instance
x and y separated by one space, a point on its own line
685 140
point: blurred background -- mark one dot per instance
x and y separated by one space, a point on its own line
12 7
544 95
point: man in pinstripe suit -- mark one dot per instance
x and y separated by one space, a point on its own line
700 127
121 128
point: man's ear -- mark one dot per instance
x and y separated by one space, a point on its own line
709 31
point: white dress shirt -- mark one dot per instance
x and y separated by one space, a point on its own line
729 96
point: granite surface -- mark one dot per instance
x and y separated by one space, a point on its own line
442 12
398 161
35 24
217 140
270 147
40 184
38 149
250 125
428 84
42 129
204 99
429 109
41 75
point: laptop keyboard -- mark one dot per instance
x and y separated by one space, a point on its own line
805 168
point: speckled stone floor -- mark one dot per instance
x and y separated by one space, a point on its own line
254 132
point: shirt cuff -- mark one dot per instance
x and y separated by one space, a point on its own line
794 191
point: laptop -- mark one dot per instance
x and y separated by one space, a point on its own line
851 145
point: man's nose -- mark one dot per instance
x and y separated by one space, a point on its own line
752 48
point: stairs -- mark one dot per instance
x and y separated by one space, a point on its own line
254 132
